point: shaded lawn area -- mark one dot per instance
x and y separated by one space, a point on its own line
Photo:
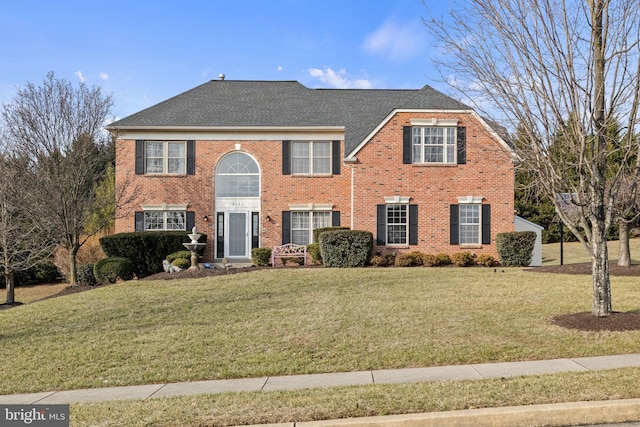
298 321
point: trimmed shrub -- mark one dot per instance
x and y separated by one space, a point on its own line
261 256
463 259
516 248
147 249
85 276
429 260
378 261
318 231
346 248
179 254
443 259
181 263
390 259
412 259
109 270
314 250
486 260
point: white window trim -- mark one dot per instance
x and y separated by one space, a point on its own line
310 212
311 171
446 160
311 207
471 200
165 157
397 201
164 207
435 122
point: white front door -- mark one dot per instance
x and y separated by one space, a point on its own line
238 241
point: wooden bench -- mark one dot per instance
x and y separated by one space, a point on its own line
290 250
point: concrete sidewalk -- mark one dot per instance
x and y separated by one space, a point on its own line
582 412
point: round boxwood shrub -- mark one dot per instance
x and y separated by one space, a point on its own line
85 276
109 270
179 254
181 263
516 248
346 248
261 256
463 259
412 259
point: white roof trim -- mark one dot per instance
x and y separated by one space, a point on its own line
399 110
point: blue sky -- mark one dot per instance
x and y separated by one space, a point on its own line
143 52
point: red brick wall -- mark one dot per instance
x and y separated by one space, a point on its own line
488 172
379 172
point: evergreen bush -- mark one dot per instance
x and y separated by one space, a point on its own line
346 248
146 249
463 259
179 254
486 260
516 248
261 256
314 250
85 276
182 263
109 270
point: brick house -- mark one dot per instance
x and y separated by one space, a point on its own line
262 163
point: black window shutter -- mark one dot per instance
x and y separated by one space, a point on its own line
191 157
191 220
454 223
286 227
139 221
413 224
139 157
486 224
335 152
335 219
381 221
220 235
255 229
286 157
407 152
462 145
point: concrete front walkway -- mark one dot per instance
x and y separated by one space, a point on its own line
563 414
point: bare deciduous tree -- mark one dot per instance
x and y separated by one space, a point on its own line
59 128
24 240
557 66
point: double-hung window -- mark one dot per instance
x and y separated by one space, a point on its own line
397 224
165 157
433 144
470 224
311 157
165 220
303 224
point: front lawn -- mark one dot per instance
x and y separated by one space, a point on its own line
297 321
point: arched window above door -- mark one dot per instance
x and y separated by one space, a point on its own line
237 175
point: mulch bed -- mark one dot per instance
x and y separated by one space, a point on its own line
617 321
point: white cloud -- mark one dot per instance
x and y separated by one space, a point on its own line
104 76
280 68
80 76
338 79
396 42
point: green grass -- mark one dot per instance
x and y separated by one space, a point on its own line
574 252
294 321
346 402
297 321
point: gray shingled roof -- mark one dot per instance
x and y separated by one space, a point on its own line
233 103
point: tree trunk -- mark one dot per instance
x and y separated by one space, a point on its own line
73 267
600 275
624 256
10 282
